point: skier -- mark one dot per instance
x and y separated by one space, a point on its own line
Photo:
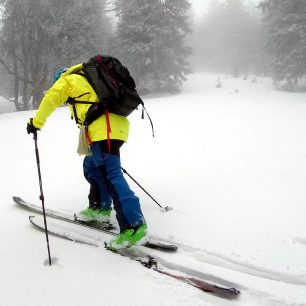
70 83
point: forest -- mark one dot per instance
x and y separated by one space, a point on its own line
159 41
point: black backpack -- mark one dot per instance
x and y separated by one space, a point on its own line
114 86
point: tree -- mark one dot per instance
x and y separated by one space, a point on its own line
81 29
150 41
285 39
38 36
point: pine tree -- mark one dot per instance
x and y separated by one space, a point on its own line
285 26
80 28
150 42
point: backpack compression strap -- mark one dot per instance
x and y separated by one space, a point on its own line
73 101
142 117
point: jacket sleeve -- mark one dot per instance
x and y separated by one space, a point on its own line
54 97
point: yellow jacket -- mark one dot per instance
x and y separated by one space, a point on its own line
73 85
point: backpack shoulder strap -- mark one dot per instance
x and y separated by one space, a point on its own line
72 101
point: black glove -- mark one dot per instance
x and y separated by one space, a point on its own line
31 128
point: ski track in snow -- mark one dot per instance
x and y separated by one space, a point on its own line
200 255
84 235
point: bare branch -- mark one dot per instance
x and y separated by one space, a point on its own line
6 67
10 48
5 97
12 73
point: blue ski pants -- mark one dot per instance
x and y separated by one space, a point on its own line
126 204
99 197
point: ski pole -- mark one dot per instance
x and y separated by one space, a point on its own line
166 208
41 197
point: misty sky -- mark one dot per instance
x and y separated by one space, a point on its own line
199 6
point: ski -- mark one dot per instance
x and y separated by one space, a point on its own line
73 233
102 227
151 263
67 232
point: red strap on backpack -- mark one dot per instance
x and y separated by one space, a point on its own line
108 130
99 59
87 135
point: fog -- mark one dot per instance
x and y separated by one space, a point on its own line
200 7
161 42
228 38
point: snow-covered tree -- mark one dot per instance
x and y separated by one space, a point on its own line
80 28
285 39
150 42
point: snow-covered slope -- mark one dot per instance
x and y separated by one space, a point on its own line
230 161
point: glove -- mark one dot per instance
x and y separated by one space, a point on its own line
30 127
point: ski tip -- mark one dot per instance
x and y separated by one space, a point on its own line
16 199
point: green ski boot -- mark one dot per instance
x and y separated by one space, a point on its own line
87 215
103 215
99 215
128 238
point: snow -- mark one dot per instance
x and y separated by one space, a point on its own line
230 161
6 106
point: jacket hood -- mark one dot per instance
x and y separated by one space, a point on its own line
74 69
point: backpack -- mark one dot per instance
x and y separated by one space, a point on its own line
114 86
